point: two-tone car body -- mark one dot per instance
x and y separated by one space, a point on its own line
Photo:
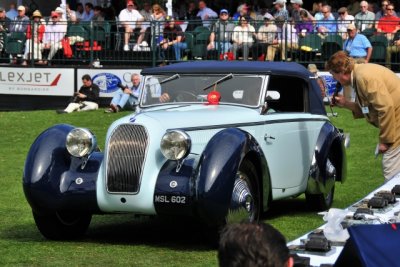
229 138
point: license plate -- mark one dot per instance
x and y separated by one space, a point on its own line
170 199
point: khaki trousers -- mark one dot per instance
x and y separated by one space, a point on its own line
282 46
389 51
391 163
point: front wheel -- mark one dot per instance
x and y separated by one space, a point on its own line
245 200
62 225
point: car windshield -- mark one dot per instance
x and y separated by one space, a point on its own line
234 89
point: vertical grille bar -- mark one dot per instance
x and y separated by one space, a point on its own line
126 153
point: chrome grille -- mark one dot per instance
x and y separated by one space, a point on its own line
126 154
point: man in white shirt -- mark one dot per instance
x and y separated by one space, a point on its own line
130 19
343 21
79 12
287 38
54 33
265 37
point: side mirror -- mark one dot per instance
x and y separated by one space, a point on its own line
272 95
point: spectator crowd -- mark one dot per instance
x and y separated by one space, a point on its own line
279 30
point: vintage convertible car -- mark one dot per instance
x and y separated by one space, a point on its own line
214 141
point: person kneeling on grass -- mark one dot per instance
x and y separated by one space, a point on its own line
122 97
85 99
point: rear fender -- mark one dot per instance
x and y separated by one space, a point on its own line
217 171
330 141
54 180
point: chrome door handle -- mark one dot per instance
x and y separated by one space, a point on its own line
266 136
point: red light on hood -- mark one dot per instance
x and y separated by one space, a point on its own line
213 98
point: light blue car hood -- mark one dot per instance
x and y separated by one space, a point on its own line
199 115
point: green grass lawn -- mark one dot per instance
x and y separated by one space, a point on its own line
114 240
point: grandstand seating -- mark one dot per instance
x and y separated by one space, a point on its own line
90 41
379 44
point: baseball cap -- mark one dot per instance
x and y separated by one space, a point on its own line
312 68
268 16
21 8
59 10
279 2
54 14
351 27
36 13
223 11
299 2
129 3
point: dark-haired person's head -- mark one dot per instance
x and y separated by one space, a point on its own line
253 244
98 8
244 19
86 77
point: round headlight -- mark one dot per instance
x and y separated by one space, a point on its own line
80 142
175 145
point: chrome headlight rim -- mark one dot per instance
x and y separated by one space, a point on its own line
80 142
175 145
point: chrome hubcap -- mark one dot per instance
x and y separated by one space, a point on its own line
331 175
242 204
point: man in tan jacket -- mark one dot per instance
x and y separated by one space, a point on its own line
377 98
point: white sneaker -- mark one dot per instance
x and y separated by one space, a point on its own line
136 48
144 43
126 47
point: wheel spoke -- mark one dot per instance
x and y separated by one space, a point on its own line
242 202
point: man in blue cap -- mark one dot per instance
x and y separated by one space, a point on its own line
221 33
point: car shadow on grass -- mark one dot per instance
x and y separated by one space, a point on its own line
291 206
124 229
175 233
180 234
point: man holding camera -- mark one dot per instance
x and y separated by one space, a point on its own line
85 99
125 95
377 99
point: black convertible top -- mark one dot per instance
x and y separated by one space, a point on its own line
248 67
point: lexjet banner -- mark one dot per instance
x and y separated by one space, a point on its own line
61 82
107 79
37 81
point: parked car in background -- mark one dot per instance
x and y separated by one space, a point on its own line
215 141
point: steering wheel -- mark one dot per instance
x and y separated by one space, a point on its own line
185 96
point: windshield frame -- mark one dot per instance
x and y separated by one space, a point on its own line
161 77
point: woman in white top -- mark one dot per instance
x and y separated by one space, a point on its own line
243 37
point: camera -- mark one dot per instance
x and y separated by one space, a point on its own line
336 93
122 87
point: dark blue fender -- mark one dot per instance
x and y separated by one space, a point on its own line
217 170
50 173
330 140
175 187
